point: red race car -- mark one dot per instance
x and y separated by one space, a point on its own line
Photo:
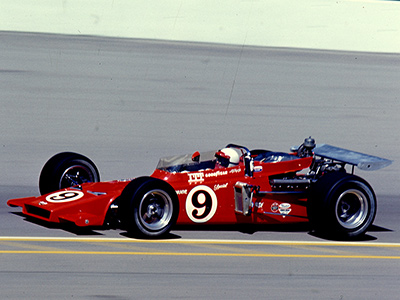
231 186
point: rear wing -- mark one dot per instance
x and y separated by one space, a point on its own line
363 161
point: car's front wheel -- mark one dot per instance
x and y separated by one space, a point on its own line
148 207
66 169
341 205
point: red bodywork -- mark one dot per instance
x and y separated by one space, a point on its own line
205 197
68 205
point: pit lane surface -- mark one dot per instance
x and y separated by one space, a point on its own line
125 103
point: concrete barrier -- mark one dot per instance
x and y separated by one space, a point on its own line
357 25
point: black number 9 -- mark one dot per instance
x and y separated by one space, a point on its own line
201 200
64 196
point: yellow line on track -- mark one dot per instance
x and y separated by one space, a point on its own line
265 255
197 241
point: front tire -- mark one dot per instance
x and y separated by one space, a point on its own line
66 169
148 207
341 205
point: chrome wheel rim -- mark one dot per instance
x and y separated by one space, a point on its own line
155 210
76 175
351 209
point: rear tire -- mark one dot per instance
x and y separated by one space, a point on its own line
341 205
66 169
148 207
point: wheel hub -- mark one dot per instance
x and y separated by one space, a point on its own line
75 175
345 209
154 210
352 208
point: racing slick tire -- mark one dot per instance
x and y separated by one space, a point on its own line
66 169
148 207
341 205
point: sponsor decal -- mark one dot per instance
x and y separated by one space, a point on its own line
235 171
284 208
201 204
195 178
220 186
259 204
258 168
216 174
181 192
64 196
275 207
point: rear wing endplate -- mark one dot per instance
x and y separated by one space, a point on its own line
363 161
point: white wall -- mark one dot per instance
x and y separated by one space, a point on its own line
359 25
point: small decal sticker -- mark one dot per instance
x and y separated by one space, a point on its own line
220 186
195 178
64 196
275 207
235 170
284 208
258 169
259 204
217 174
181 192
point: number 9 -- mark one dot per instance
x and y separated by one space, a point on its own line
201 204
64 196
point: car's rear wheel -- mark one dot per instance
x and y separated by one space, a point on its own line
341 205
66 169
148 207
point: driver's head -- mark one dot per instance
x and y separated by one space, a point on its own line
227 157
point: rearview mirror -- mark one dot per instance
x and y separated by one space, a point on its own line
196 156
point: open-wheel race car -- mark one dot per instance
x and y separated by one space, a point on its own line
234 185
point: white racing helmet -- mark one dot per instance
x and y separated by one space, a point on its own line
227 157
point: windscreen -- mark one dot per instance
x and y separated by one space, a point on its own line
180 163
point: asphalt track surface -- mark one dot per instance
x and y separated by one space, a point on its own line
125 103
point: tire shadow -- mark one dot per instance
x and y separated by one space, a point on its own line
363 238
249 229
